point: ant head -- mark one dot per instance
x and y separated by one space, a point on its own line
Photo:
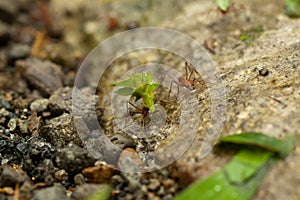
190 84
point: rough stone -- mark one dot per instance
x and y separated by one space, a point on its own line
8 11
73 159
10 176
43 75
79 179
154 184
84 191
61 130
39 105
51 193
61 100
98 174
18 51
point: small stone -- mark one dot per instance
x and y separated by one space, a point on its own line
39 105
61 131
168 197
18 51
12 124
10 176
25 190
43 75
61 100
79 179
34 123
129 160
128 196
86 190
7 190
154 184
152 196
263 72
51 193
98 174
8 11
73 159
61 175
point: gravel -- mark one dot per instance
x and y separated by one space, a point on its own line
51 193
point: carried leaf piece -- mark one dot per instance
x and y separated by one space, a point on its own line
282 146
240 178
141 86
222 4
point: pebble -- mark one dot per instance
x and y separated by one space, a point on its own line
130 155
8 11
7 190
39 105
18 125
61 175
84 191
61 100
43 75
9 176
17 51
73 159
61 131
98 174
25 190
168 197
51 193
154 184
79 179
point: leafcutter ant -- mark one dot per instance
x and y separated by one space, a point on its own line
188 81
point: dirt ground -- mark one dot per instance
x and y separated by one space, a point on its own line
256 49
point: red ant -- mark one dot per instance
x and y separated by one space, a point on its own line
188 81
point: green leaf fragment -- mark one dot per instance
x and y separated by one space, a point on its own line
220 186
245 164
103 193
141 86
222 4
282 146
292 8
239 179
125 91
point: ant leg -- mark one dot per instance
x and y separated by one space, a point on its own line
186 70
139 109
171 89
192 71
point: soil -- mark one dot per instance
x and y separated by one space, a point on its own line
254 45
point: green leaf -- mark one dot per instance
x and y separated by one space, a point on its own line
226 185
103 193
258 139
222 4
292 8
140 86
125 91
240 178
135 80
245 164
